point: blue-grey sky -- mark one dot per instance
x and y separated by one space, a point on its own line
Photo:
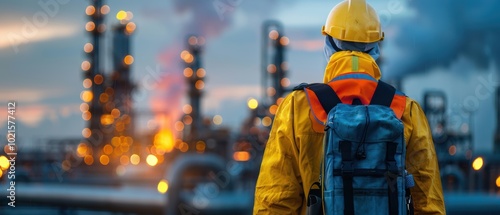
41 49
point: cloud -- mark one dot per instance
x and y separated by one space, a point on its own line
14 35
28 95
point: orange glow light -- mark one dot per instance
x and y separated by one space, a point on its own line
104 159
88 47
201 72
284 41
81 150
188 120
271 68
107 119
98 79
103 98
4 163
87 83
115 113
124 160
130 27
271 91
273 109
241 156
184 147
199 84
497 182
107 149
84 107
90 26
274 34
285 82
452 150
85 66
200 146
179 126
193 40
89 160
128 60
86 132
90 10
86 115
187 109
188 72
105 9
267 121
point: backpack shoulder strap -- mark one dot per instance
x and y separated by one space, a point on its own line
383 95
326 96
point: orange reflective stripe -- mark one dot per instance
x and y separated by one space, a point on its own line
316 107
352 88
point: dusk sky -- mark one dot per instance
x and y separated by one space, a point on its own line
41 52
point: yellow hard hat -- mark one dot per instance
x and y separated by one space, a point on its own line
354 21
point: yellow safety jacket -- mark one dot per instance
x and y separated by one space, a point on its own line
291 162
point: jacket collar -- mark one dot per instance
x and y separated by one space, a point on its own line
344 62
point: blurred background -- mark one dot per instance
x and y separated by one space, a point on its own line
165 106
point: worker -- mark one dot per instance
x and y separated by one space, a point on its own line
292 157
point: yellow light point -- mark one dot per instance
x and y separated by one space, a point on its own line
86 115
89 160
164 140
217 119
90 26
124 160
267 121
107 149
135 159
86 132
84 107
273 109
90 10
284 41
187 120
285 82
85 66
241 156
121 15
163 186
130 27
105 9
179 126
201 72
274 34
4 163
252 103
199 84
107 119
115 113
271 68
104 159
81 150
498 182
187 109
87 83
478 163
188 72
152 160
98 79
271 91
88 47
128 60
130 15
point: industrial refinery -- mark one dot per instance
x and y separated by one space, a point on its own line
159 140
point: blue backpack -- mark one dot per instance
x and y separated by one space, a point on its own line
363 167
